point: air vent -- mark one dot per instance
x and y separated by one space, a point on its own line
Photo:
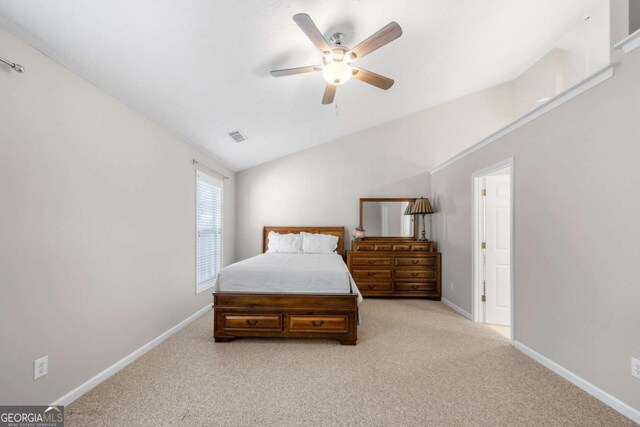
237 136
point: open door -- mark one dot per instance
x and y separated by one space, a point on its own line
493 216
497 259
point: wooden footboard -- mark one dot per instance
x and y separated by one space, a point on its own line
285 316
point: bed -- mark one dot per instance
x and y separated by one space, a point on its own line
288 295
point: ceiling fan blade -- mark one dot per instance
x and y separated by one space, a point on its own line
385 35
306 24
297 70
372 78
329 94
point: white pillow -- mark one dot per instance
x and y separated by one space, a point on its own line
284 243
319 243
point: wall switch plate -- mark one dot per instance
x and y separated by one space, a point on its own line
451 285
40 367
635 367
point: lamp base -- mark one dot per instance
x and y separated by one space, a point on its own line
423 231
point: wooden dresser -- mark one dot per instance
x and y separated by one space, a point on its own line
396 268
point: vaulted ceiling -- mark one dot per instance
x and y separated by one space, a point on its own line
200 68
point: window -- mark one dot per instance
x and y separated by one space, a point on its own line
208 230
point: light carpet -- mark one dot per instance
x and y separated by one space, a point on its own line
416 363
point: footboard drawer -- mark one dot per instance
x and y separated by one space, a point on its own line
318 323
251 322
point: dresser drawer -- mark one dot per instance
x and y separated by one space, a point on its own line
378 247
424 247
370 261
383 247
414 287
248 322
318 323
363 247
401 247
374 286
415 274
416 262
372 274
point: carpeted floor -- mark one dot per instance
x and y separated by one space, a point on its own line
416 363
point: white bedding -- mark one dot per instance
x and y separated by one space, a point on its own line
288 273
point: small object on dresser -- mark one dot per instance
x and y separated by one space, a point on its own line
358 233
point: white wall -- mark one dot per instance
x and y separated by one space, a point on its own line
323 185
576 228
96 228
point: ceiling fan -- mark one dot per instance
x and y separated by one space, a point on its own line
337 59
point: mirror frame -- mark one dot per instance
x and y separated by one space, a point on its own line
388 199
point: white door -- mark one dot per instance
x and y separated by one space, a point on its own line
498 249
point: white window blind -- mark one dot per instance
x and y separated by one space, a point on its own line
208 230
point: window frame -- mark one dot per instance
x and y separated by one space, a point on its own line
201 287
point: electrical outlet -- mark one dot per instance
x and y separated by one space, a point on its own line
635 367
40 367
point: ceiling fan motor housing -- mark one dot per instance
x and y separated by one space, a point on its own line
337 54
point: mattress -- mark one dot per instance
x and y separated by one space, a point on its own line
288 273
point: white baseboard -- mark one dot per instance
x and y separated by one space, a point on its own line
585 385
92 382
456 308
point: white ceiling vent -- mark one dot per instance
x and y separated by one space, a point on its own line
237 136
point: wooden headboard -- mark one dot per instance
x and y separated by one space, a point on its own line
334 231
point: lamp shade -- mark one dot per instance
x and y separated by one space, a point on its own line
407 211
422 206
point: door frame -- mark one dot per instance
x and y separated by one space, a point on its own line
476 253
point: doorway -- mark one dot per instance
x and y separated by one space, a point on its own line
493 290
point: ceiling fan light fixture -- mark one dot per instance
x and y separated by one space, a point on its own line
337 73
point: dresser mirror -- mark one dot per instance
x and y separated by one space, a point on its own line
385 217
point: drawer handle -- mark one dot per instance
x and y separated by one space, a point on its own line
415 274
414 261
252 322
414 286
371 286
317 323
372 261
371 274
